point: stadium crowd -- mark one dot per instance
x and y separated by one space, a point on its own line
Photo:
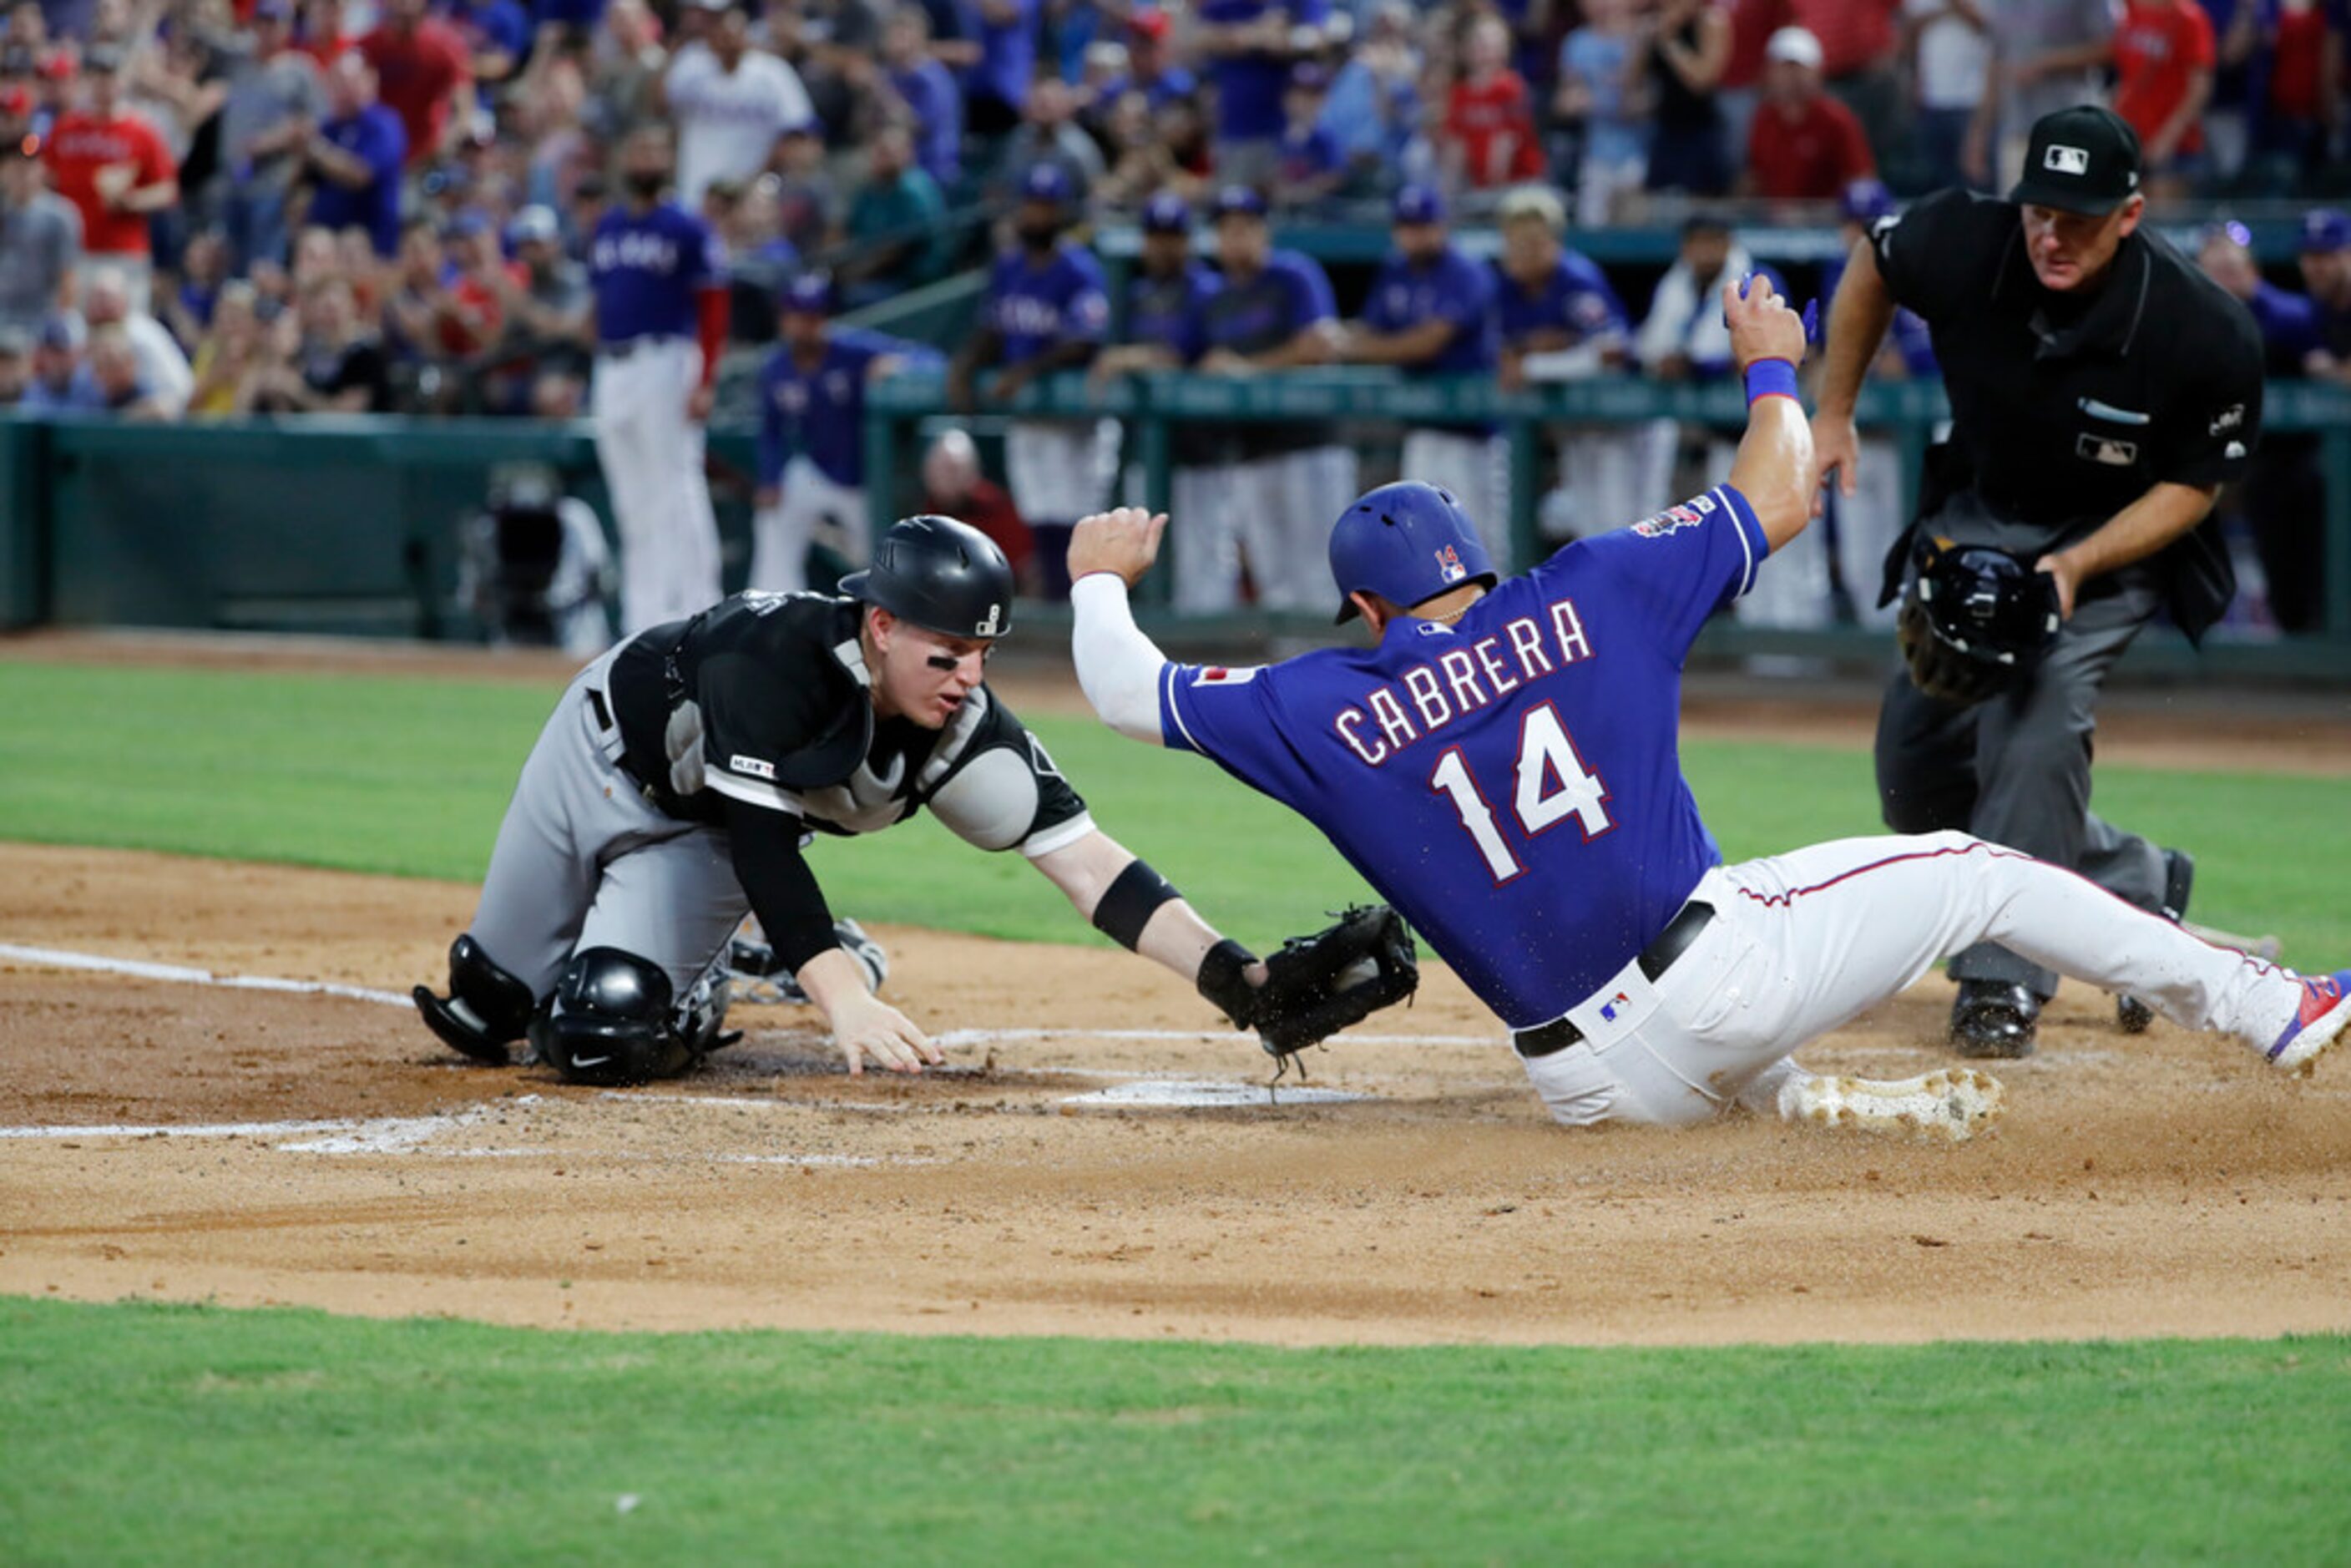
361 204
225 207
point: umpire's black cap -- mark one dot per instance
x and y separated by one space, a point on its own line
944 576
2081 159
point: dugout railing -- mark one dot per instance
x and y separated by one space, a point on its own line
349 524
1377 406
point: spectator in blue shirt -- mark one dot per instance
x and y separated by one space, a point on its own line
928 90
1373 105
995 88
1250 46
357 156
1310 167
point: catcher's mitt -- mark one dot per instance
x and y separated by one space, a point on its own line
1318 985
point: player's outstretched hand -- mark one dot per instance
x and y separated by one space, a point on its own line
1124 539
867 1028
1761 325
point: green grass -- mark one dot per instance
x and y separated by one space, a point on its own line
155 1434
410 777
146 1434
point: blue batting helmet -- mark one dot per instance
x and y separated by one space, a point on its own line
1406 542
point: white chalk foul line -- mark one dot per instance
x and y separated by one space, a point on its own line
59 958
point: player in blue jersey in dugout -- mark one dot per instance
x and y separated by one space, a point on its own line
1501 765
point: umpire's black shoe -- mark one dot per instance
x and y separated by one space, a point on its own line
1994 1018
2131 1015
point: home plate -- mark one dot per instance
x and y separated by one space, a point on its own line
1194 1093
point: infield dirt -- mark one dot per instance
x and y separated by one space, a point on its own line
2164 1184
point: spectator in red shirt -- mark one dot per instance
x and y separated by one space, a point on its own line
2163 71
1804 146
1860 57
2305 45
423 72
952 486
1489 136
113 166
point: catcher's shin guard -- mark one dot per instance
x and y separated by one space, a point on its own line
487 1009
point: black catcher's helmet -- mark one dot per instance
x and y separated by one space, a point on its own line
944 576
1975 621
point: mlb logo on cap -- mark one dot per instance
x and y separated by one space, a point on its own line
2080 160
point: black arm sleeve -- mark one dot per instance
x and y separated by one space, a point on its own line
783 889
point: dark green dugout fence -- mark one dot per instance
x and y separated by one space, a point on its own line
351 525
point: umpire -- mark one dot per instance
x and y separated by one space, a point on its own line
2102 390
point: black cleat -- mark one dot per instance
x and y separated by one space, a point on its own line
2133 1016
1994 1018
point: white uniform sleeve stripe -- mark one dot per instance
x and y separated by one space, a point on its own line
751 792
1062 835
1175 712
1741 520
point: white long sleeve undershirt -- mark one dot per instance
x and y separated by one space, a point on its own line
1118 667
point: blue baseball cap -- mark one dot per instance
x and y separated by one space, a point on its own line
1864 200
810 294
1420 204
1045 182
1246 199
1406 542
1167 213
2325 231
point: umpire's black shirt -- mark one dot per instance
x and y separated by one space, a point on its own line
2067 407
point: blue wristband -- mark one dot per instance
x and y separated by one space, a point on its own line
1771 378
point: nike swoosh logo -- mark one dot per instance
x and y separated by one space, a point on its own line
579 1061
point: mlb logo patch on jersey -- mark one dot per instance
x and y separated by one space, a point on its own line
1448 565
2107 450
753 766
1672 519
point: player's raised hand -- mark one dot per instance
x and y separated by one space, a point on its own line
1762 326
1124 539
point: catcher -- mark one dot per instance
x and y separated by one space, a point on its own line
684 775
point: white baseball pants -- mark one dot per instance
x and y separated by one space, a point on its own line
780 533
1476 469
1803 943
652 456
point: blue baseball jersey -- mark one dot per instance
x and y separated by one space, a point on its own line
1248 87
1038 309
1008 51
1288 294
375 137
820 413
1171 311
1575 298
931 96
1308 153
646 271
1160 91
1912 338
1453 288
1512 782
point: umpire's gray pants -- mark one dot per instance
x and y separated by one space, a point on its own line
2016 770
584 861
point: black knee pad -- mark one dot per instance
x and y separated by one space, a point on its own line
487 1007
613 1021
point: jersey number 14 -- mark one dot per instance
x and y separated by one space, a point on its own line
1549 785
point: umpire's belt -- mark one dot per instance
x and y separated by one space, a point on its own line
1654 961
